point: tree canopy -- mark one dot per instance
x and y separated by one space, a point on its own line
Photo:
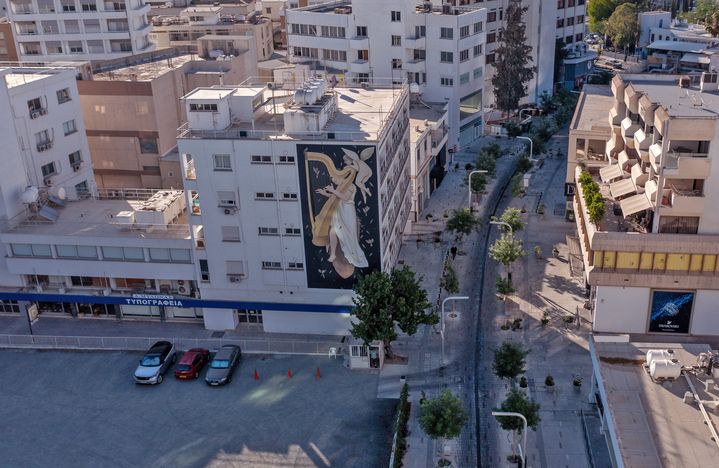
598 12
509 360
622 26
506 250
462 222
513 217
517 402
385 301
449 281
512 60
443 417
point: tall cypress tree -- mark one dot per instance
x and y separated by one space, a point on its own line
512 60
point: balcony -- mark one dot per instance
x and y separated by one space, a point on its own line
44 146
35 113
683 202
687 165
415 42
629 128
359 66
359 43
655 155
417 65
642 141
615 119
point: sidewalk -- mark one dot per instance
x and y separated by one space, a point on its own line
423 370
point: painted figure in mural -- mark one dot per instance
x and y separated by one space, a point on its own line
364 172
336 226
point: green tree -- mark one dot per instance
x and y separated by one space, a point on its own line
462 222
504 286
509 360
384 302
513 217
622 26
517 402
512 60
479 182
449 281
506 250
712 24
485 162
598 12
702 10
443 417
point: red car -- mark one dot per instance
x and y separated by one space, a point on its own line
191 363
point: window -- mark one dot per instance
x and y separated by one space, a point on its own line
478 27
261 159
226 198
334 55
42 137
362 77
463 32
477 50
268 231
293 231
9 306
396 63
395 16
159 255
332 31
396 40
31 250
579 37
445 81
568 40
68 5
477 73
82 190
361 31
204 270
560 4
420 31
580 19
295 266
222 162
491 17
75 47
419 54
464 78
267 265
464 55
76 251
34 105
491 38
289 196
446 33
69 127
235 268
230 233
249 316
363 54
358 350
489 59
148 145
560 22
133 254
305 52
446 57
88 6
48 169
203 107
180 255
570 21
75 158
286 159
91 281
264 196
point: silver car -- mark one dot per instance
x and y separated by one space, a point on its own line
223 365
155 363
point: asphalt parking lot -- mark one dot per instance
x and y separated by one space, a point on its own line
82 409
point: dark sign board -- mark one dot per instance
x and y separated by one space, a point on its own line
570 188
340 213
671 311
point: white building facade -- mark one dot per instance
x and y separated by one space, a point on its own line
293 195
54 30
438 48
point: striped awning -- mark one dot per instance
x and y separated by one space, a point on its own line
634 204
621 188
611 172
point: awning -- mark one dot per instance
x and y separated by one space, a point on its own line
695 58
621 188
634 204
611 172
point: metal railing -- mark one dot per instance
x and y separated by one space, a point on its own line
249 346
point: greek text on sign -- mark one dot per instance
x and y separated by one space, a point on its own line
153 300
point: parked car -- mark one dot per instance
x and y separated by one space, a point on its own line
191 363
155 363
223 365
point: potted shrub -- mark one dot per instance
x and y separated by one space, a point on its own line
549 383
523 382
443 463
537 251
577 384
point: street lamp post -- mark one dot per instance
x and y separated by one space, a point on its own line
441 330
503 223
523 448
531 147
469 184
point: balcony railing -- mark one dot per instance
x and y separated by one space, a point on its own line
672 158
44 146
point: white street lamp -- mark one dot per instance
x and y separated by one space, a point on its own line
523 448
469 185
503 223
531 147
441 330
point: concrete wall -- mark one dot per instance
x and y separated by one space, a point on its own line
305 322
705 318
621 310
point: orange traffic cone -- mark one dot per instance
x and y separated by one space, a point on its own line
256 375
289 373
317 374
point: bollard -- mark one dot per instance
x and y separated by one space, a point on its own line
289 373
256 376
317 374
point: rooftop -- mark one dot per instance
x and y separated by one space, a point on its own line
418 114
678 46
344 7
160 218
653 425
591 111
18 76
145 71
679 102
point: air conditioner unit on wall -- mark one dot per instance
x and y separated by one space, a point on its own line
235 278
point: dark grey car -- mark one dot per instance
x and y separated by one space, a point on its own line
223 365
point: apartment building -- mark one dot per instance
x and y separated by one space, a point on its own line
428 136
132 108
79 30
549 24
8 51
651 261
439 48
294 193
192 23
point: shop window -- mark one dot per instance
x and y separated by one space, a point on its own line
249 316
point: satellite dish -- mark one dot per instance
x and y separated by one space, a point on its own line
414 88
30 195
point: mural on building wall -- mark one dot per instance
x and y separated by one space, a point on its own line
340 213
671 311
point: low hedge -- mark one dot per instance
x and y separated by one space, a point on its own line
400 444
